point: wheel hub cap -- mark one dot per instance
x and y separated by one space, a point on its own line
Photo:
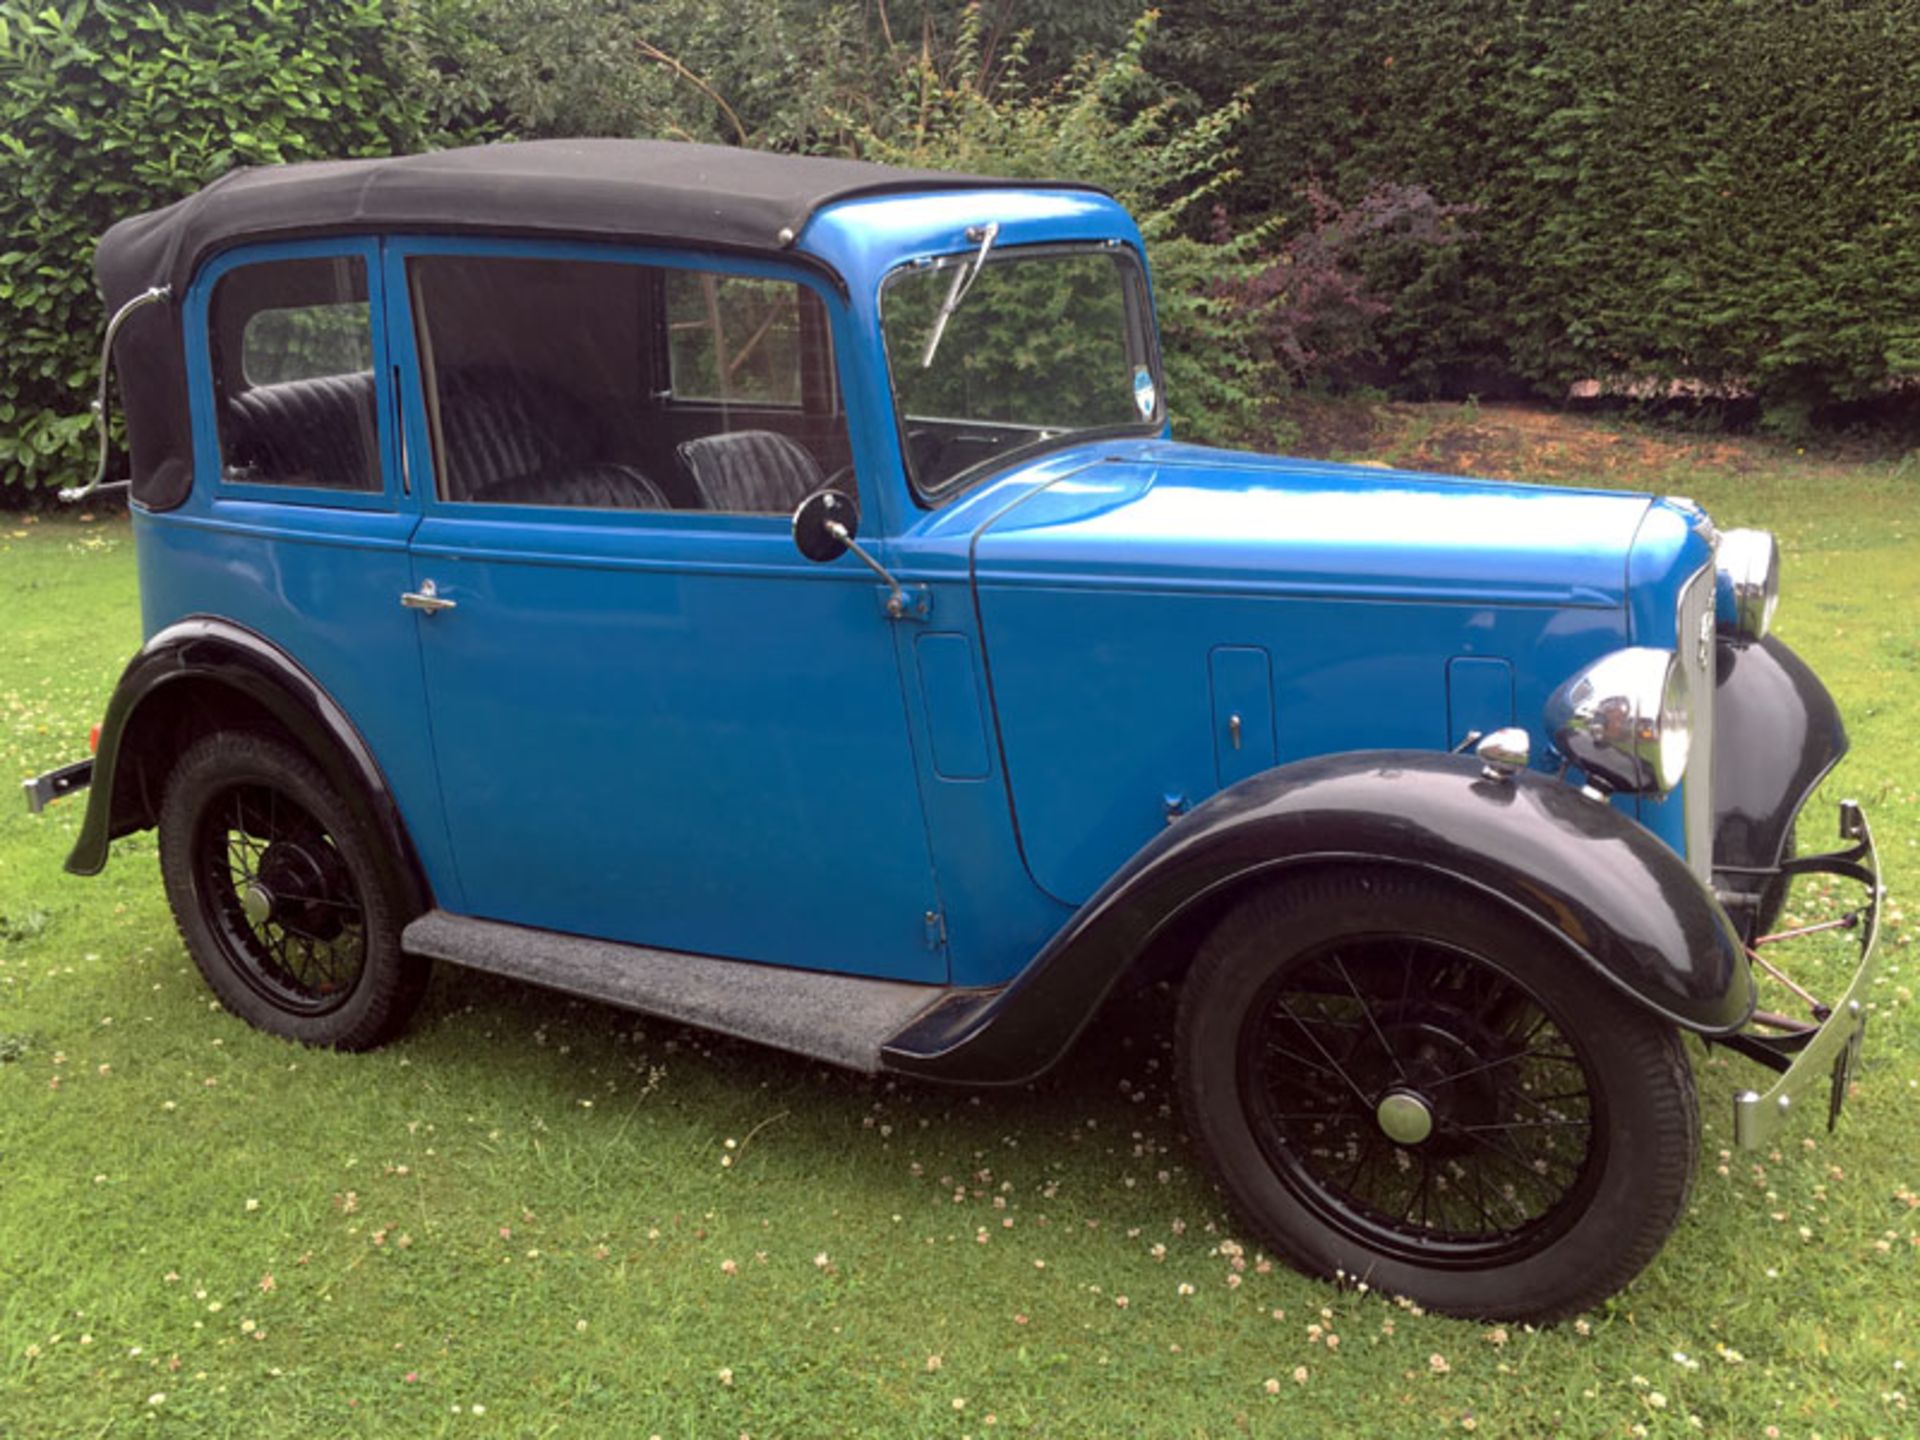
257 901
1405 1117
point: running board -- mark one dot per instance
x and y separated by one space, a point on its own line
842 1019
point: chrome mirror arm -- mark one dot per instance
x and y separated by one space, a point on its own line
73 494
897 597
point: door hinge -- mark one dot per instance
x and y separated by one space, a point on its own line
909 602
936 930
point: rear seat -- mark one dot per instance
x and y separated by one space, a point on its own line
507 438
304 432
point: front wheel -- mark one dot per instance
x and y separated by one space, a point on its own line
1773 898
1397 1081
285 900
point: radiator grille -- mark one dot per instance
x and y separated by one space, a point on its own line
1696 644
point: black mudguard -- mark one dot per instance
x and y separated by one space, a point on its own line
193 667
1596 883
1776 734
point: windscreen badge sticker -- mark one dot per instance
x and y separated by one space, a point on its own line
1143 391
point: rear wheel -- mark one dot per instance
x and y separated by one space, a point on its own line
1398 1081
284 900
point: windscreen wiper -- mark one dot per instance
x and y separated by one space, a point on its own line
963 279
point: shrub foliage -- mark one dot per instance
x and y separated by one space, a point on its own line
1105 122
112 107
1454 195
1716 189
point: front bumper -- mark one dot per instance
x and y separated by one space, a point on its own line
43 790
1827 1046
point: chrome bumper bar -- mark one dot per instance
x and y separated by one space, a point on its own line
43 790
1827 1047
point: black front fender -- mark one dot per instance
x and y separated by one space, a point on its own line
1776 733
181 681
1595 882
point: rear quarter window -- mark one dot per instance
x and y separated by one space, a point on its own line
291 345
305 341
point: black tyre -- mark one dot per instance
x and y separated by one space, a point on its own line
1397 1081
285 901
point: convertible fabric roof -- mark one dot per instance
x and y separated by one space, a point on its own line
706 197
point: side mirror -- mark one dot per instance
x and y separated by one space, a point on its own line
824 525
823 529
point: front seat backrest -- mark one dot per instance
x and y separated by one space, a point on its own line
599 485
758 471
498 424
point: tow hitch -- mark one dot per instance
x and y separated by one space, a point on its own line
43 790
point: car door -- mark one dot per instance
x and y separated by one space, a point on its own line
654 721
298 521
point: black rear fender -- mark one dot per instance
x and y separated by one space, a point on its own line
1594 882
206 674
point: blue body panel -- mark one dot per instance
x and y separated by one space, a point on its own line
1106 598
1178 517
323 585
956 713
317 572
1479 696
1104 705
698 745
666 727
1241 683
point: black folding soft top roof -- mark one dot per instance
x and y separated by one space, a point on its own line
700 196
706 196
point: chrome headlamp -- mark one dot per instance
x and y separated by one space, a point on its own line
1627 720
1747 584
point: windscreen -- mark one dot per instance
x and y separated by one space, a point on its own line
1022 351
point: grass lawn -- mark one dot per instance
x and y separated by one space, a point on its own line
540 1217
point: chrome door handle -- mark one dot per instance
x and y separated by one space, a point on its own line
427 599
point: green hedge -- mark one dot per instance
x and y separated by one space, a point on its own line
1719 189
1723 190
108 108
1107 122
111 107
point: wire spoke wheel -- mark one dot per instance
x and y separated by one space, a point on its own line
1399 1080
287 899
1443 1111
280 898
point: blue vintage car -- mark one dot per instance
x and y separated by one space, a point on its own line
764 592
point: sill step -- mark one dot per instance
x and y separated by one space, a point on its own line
841 1019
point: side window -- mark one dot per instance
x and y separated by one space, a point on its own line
733 338
291 346
613 385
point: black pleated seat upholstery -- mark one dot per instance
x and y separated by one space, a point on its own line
305 432
600 485
499 425
506 438
759 471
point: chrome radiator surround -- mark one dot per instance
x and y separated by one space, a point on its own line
1695 639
